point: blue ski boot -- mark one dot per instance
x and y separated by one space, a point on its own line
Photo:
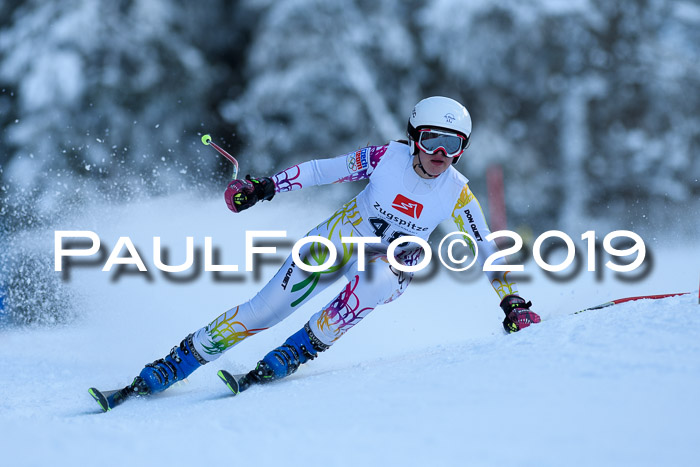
299 348
176 366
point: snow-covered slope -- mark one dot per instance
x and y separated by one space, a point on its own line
427 380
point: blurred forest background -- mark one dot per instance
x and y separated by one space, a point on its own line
590 106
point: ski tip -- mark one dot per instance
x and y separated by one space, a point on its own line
229 380
100 398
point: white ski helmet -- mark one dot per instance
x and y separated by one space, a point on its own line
440 113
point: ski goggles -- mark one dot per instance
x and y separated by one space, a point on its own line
430 141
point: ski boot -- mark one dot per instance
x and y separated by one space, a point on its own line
155 377
299 348
176 366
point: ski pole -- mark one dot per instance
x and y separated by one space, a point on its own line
631 299
206 140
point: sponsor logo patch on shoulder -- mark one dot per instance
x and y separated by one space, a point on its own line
358 160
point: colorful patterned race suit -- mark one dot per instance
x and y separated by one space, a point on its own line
396 202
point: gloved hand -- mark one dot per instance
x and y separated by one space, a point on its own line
518 313
242 194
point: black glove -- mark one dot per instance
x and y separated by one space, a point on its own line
518 313
264 187
242 194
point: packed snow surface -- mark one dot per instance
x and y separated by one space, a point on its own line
430 379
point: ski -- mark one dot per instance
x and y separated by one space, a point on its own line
236 383
108 400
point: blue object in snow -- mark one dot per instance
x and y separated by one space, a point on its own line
2 303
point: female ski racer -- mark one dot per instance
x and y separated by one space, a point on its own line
413 186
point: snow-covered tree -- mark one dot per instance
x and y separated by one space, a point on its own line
325 78
588 105
110 97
